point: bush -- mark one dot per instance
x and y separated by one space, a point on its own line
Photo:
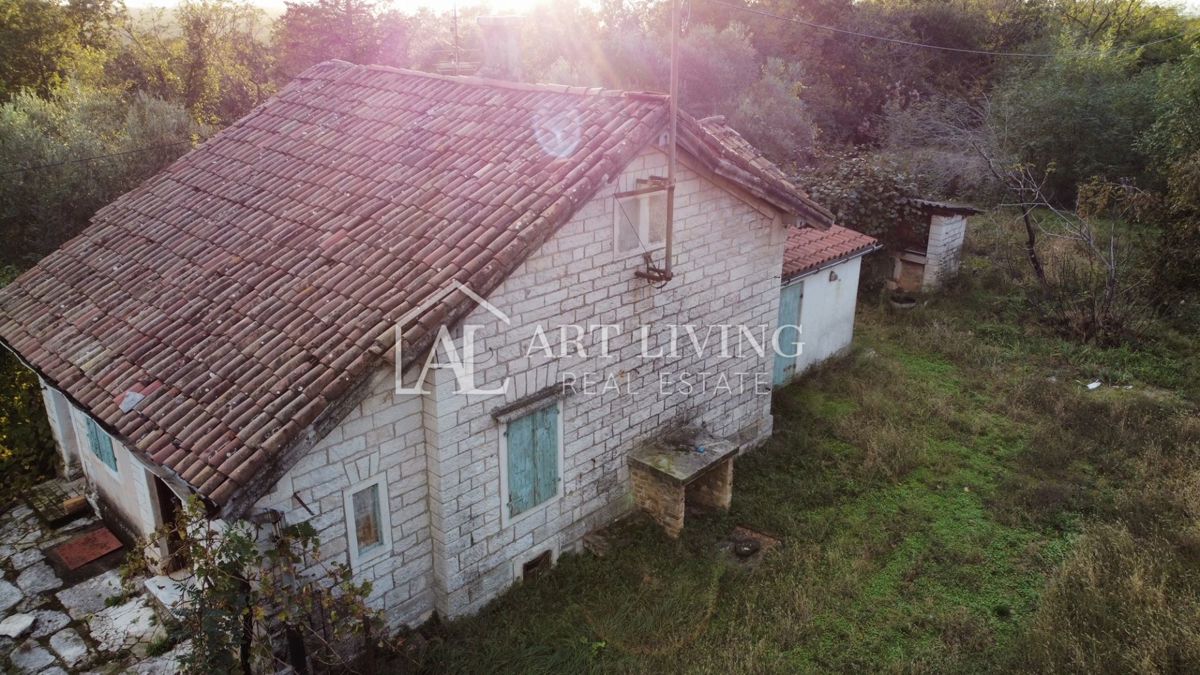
27 452
1077 115
52 200
772 116
867 196
1117 604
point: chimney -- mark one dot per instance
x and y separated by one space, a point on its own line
501 47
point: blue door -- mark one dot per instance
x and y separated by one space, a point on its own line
790 299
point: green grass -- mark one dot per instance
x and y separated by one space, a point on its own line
931 491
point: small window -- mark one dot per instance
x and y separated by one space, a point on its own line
532 460
641 220
101 444
367 521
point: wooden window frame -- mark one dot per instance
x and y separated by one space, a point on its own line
625 205
359 558
506 518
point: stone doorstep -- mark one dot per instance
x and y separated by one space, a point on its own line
167 593
89 596
131 625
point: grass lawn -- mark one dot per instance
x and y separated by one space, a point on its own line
949 498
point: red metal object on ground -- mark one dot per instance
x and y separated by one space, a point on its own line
87 547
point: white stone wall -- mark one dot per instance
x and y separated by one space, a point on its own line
827 312
944 252
58 414
382 435
728 262
127 490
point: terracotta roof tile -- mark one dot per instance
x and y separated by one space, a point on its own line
257 279
809 248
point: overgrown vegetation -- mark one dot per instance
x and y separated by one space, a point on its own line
148 81
950 497
27 452
249 608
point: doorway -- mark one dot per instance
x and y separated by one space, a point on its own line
791 298
169 508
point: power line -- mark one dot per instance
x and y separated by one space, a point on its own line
77 160
908 43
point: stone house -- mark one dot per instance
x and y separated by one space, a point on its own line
252 325
818 295
922 263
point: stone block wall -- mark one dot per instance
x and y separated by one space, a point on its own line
944 252
713 490
381 436
662 499
727 271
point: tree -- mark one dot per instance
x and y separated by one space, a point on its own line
211 56
309 33
1174 139
1075 116
51 187
27 451
43 41
772 116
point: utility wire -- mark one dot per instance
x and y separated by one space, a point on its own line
77 160
730 5
908 43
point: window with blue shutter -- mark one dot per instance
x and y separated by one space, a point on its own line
532 447
101 444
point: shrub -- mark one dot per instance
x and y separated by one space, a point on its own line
27 452
867 196
1117 604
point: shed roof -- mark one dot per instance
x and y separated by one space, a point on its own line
944 208
245 290
809 249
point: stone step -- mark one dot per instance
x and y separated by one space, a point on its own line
168 593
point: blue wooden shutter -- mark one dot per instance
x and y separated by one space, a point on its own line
521 470
101 444
532 443
546 453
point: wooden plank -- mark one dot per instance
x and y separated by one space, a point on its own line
546 453
521 471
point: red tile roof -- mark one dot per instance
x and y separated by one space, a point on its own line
244 292
724 151
809 248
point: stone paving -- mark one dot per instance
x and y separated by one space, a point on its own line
49 626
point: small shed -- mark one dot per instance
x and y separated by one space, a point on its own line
818 295
923 262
